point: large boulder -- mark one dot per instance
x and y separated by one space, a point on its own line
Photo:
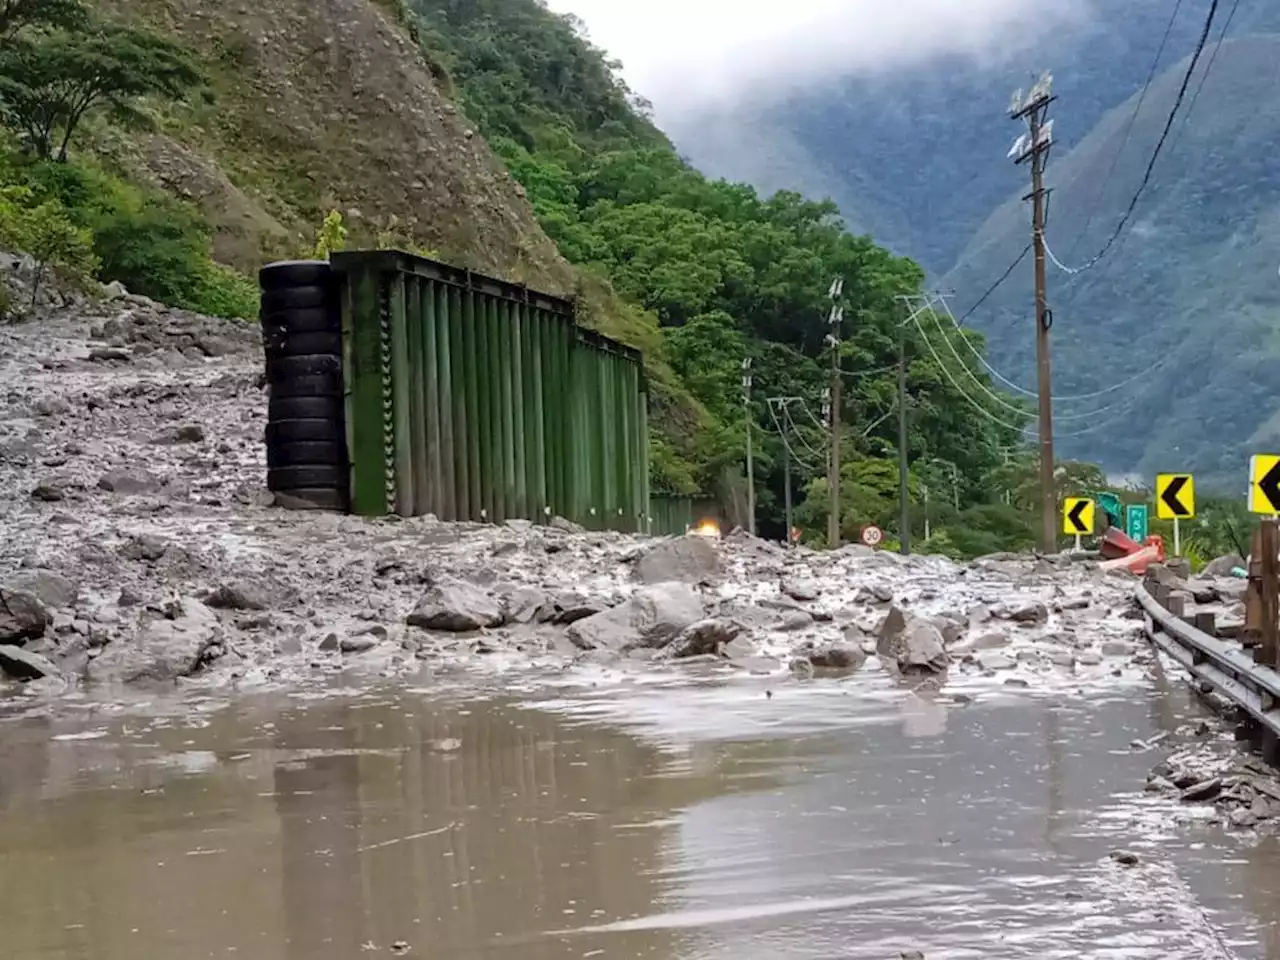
167 647
22 616
652 617
25 665
911 642
704 637
455 606
690 559
52 589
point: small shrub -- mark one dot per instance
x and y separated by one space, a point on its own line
332 237
227 293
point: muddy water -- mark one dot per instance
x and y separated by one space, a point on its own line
712 822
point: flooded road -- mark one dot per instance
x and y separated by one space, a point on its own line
704 822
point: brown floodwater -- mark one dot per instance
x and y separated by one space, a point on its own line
695 821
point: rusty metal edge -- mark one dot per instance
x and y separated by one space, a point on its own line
1232 673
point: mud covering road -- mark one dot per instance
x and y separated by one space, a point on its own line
141 547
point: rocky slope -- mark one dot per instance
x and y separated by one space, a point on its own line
141 547
320 104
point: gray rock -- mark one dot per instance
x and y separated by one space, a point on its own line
146 547
652 616
528 605
1126 858
990 641
801 589
795 620
836 656
455 606
164 649
51 589
24 665
568 526
995 660
188 433
47 493
912 642
1118 648
690 559
22 617
1222 566
358 644
1034 612
239 595
129 482
1202 791
704 637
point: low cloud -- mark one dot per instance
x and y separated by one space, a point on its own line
686 55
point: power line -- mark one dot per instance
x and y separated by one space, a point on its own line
995 286
959 389
782 434
1186 118
1124 140
1141 375
1155 154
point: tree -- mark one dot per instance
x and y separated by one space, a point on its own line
17 14
45 232
49 84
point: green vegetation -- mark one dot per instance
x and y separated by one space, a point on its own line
708 273
72 214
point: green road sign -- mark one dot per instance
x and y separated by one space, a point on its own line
1135 522
1111 506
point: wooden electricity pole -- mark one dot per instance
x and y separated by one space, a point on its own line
751 463
1033 147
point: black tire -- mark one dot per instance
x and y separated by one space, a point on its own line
294 273
301 320
283 369
295 298
332 409
323 319
309 499
281 343
305 431
313 477
315 385
307 454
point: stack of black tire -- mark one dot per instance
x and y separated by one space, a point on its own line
307 463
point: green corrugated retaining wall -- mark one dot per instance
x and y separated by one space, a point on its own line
671 515
475 399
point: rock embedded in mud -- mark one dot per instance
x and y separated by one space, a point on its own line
22 617
704 637
24 665
1034 612
1202 791
690 559
455 606
358 644
51 589
651 617
835 656
145 546
1222 566
995 660
1126 858
239 595
912 642
165 648
129 482
47 493
801 588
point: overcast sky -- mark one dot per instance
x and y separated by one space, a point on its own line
685 54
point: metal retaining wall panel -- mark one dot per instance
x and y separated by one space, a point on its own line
475 399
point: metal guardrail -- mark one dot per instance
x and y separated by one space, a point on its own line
1228 668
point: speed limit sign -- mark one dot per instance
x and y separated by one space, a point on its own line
872 535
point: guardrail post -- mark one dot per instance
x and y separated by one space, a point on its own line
1176 604
1206 622
1269 592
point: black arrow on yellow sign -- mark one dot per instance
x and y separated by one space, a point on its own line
1074 515
1269 484
1170 497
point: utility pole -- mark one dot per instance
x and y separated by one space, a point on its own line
751 465
1033 147
779 405
835 318
904 500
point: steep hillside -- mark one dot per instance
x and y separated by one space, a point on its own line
1189 300
327 103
